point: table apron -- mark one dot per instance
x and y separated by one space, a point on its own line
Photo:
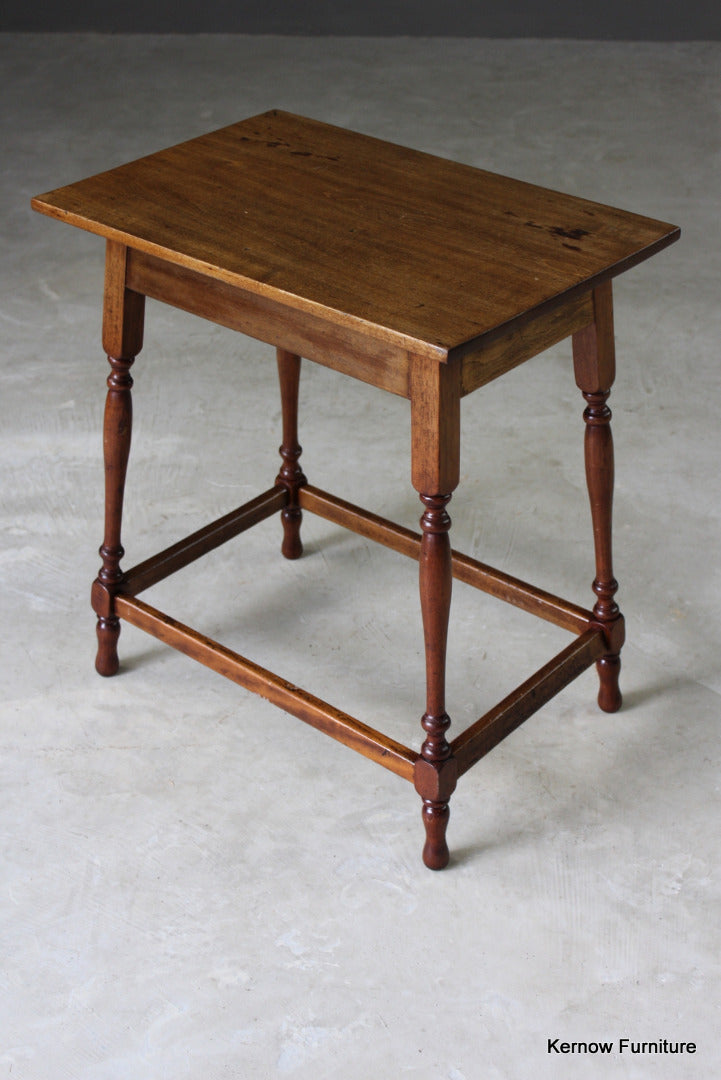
343 348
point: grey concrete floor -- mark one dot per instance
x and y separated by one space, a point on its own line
194 884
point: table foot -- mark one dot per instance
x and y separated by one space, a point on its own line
435 782
435 819
108 631
292 545
610 698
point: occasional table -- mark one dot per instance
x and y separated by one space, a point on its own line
421 276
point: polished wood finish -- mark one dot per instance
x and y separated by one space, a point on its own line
427 254
357 520
199 543
123 307
344 348
525 339
477 740
291 475
435 469
123 314
346 729
595 368
435 587
435 427
422 277
470 571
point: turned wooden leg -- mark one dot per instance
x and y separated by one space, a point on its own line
599 476
122 339
594 362
291 475
435 433
116 448
436 772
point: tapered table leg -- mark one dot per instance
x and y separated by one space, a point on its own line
594 362
435 463
291 475
436 773
122 339
116 445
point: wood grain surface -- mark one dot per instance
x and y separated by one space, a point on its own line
419 251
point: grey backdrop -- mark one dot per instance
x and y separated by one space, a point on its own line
651 20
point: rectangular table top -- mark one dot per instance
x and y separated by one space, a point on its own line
431 254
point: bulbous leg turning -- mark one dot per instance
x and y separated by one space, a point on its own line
594 363
292 545
610 698
116 442
108 631
436 772
435 819
291 475
123 319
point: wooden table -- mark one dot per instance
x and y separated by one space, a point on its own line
421 276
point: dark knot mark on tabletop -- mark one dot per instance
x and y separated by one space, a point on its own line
281 144
555 230
570 234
